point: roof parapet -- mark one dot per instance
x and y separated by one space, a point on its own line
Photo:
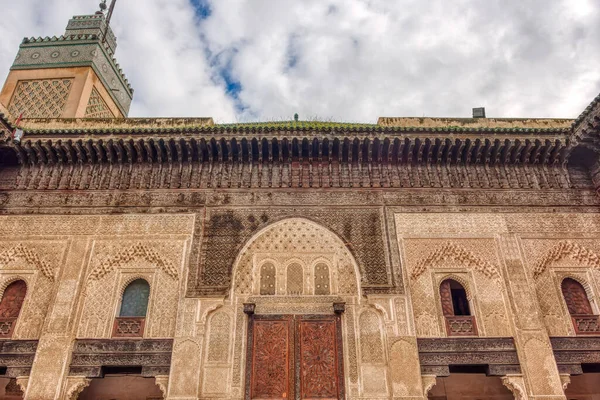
470 123
84 124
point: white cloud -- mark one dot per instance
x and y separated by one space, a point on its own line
349 60
159 49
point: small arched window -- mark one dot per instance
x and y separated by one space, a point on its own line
322 279
576 297
134 306
454 298
10 306
455 306
267 279
135 299
578 303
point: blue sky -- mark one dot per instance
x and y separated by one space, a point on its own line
344 60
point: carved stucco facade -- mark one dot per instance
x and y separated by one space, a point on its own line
78 265
224 222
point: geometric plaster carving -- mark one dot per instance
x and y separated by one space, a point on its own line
30 256
23 381
563 249
516 385
162 381
136 251
428 383
76 384
456 253
565 379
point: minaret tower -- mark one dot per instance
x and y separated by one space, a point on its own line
71 76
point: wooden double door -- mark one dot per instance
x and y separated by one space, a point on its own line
294 357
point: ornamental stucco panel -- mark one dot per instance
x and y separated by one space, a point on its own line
57 255
37 262
513 264
307 247
115 264
474 263
550 261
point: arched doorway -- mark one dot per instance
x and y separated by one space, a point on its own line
288 278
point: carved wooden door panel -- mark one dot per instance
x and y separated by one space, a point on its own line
318 358
272 358
294 357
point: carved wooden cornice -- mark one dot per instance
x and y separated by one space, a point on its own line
436 355
17 356
6 126
90 355
573 351
586 128
372 146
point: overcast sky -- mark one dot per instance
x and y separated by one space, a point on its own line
341 60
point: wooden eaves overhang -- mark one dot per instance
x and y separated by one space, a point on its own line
6 127
449 141
586 128
267 143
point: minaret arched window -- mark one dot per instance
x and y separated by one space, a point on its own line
133 310
580 308
10 307
456 309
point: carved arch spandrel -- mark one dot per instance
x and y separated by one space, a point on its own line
429 382
459 254
129 254
563 249
162 381
20 251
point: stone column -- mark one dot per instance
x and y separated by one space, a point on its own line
405 370
184 377
540 374
406 382
51 364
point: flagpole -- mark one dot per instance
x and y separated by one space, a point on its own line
108 18
110 12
